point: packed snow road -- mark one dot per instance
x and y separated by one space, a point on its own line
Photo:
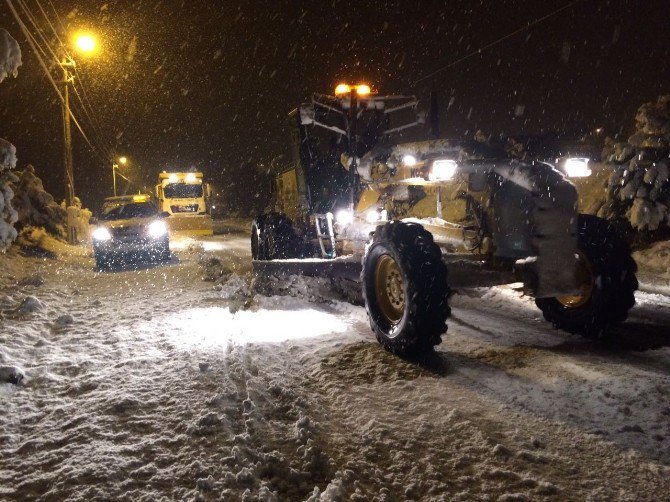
190 380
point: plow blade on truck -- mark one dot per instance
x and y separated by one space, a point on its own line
190 225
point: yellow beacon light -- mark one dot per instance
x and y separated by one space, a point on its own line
342 89
363 89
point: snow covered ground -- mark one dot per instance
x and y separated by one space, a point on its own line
183 381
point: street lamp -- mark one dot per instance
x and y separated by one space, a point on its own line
123 161
86 44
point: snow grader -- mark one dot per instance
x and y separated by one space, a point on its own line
411 218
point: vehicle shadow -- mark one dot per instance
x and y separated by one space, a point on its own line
647 329
134 266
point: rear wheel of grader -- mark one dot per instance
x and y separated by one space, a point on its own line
405 288
606 274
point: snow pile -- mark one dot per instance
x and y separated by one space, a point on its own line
8 215
35 206
38 242
311 289
639 188
10 55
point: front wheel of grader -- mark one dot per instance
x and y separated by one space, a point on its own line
405 288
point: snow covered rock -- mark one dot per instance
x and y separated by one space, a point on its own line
11 374
64 320
32 280
10 55
29 305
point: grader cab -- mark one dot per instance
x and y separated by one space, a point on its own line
412 218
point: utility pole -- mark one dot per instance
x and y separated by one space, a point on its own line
352 140
67 145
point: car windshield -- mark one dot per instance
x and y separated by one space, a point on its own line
135 210
182 191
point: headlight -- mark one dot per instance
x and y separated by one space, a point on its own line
372 216
577 167
101 234
442 170
157 229
344 217
409 160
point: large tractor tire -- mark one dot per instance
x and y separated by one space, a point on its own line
405 288
608 283
273 237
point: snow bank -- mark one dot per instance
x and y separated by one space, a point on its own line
10 55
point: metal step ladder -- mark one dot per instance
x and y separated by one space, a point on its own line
325 234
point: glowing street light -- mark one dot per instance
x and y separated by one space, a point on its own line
123 160
85 43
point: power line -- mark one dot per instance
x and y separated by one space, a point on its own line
99 137
496 42
33 44
102 148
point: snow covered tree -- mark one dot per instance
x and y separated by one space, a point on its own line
639 187
10 60
35 206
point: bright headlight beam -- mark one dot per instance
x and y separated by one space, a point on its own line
101 234
577 167
190 177
157 229
409 160
372 216
442 170
344 217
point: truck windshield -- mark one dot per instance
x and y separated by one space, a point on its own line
182 191
126 211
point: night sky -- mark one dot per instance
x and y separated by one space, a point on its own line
205 84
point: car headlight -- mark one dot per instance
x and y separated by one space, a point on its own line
442 170
344 217
157 229
577 167
101 234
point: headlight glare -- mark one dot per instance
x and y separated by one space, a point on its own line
372 216
409 160
101 234
577 167
157 229
344 217
442 170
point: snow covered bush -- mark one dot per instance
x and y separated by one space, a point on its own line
10 55
10 60
639 187
8 215
35 206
